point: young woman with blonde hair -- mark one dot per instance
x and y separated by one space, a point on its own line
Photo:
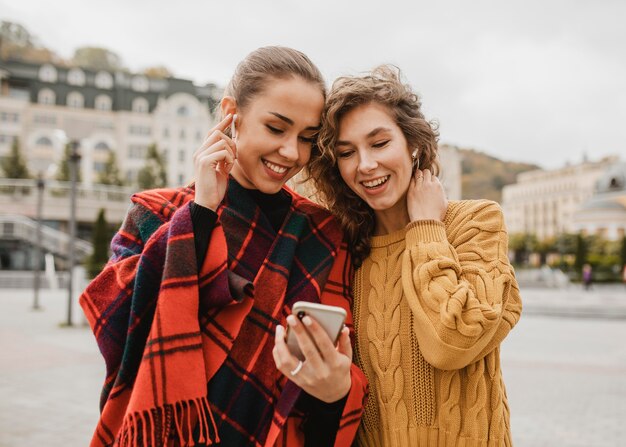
434 293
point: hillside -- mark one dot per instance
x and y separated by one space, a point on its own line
483 176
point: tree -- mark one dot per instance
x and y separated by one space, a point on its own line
97 58
153 174
581 252
14 165
159 71
16 42
100 240
111 173
623 252
64 168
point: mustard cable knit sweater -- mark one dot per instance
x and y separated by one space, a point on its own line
432 303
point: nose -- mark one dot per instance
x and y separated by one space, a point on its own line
289 150
367 163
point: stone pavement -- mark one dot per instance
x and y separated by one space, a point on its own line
566 377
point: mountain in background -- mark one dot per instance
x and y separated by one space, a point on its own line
484 176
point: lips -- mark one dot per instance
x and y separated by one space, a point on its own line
374 183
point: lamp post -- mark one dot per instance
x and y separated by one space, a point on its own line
74 159
36 283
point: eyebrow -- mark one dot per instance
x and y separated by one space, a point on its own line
290 121
369 135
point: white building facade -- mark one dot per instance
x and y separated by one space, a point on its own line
44 106
544 202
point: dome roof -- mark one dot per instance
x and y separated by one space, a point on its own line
613 179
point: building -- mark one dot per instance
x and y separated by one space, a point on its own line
544 202
604 214
46 105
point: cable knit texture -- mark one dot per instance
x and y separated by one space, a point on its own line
432 303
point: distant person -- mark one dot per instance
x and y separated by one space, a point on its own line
624 275
434 292
587 276
190 311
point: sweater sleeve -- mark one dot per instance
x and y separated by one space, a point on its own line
460 285
203 220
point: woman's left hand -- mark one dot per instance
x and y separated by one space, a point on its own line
325 373
426 198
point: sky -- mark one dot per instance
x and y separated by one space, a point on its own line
539 81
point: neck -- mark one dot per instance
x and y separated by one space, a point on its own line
392 219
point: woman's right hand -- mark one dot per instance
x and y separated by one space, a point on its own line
212 163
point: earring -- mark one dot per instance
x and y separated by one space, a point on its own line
416 160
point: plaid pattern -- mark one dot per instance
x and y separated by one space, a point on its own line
167 330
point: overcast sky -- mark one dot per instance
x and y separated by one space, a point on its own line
535 80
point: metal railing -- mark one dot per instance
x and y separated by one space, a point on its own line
53 241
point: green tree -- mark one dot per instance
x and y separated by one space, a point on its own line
100 240
63 174
582 251
623 252
97 58
153 174
111 173
14 165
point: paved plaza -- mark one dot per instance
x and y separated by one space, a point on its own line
565 371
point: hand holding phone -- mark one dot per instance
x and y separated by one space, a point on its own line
330 318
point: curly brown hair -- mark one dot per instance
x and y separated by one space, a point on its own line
383 85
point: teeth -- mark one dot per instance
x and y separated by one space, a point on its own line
277 169
375 182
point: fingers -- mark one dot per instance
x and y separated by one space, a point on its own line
284 360
320 338
343 345
307 345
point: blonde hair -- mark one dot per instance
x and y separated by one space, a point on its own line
383 85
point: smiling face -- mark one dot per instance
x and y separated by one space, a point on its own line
373 158
275 133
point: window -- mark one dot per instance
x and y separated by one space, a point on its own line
140 105
139 130
44 141
47 73
46 96
6 139
76 76
182 111
9 117
198 136
22 94
137 151
99 166
75 100
102 146
103 102
166 133
182 134
103 80
181 155
181 179
140 83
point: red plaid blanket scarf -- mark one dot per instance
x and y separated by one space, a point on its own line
167 330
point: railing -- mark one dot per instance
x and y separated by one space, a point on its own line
53 241
28 187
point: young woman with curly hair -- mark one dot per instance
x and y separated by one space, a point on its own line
434 292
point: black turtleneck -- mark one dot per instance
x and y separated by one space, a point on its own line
322 420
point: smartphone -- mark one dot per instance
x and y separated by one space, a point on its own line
331 318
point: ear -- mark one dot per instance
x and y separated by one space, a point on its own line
228 105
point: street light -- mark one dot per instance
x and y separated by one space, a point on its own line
74 159
36 283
